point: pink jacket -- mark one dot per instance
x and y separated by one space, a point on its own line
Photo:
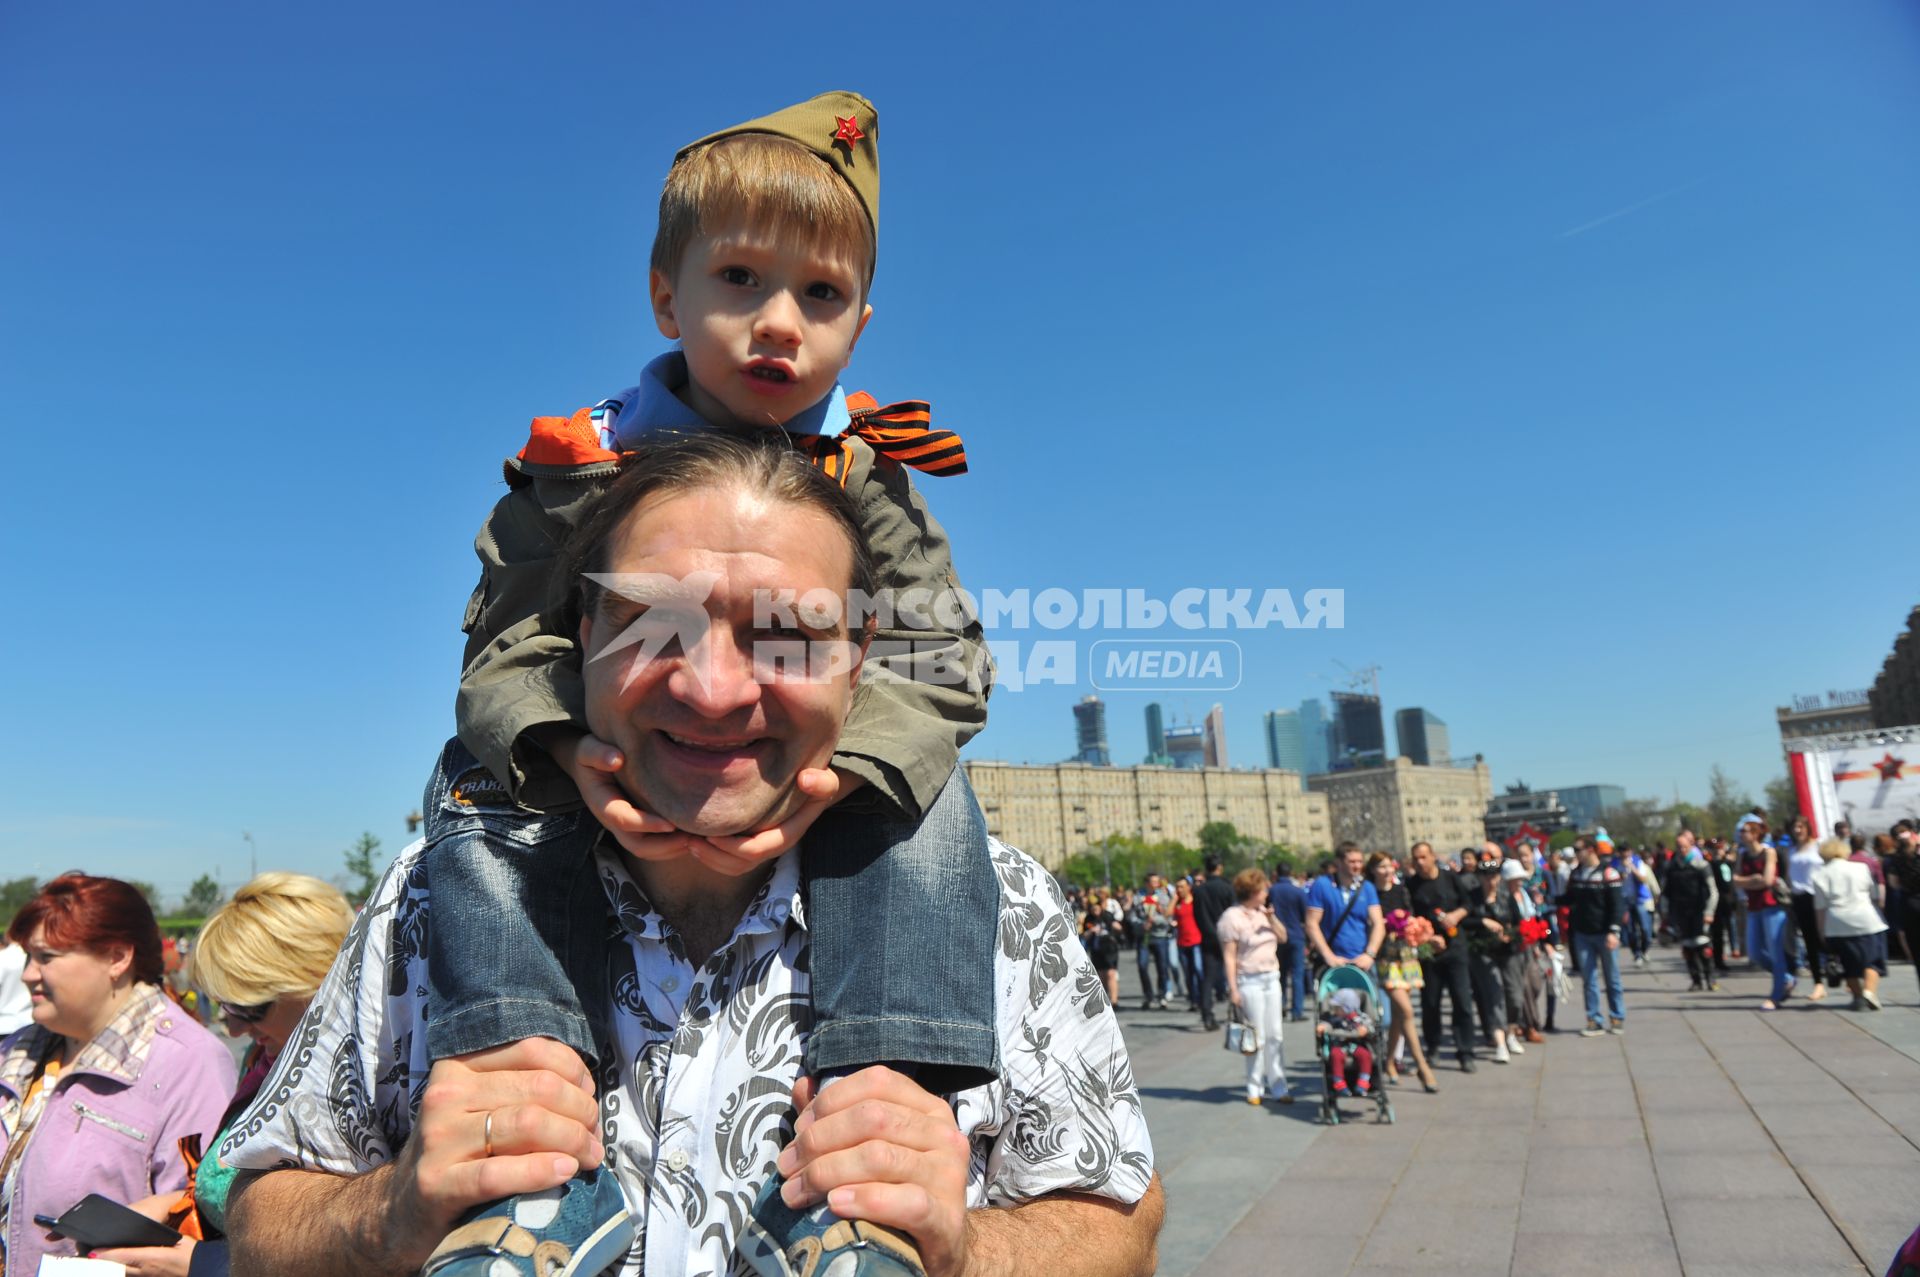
114 1120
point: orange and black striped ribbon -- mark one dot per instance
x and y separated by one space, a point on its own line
901 431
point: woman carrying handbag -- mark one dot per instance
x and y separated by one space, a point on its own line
1250 939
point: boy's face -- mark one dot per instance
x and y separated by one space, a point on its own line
767 327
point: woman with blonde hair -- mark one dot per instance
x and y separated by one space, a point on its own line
1849 925
259 960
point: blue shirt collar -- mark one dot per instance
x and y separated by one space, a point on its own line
653 405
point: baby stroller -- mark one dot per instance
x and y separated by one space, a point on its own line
1379 1012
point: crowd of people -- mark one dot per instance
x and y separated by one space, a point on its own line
1501 932
112 1085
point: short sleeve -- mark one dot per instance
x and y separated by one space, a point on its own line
1065 1115
342 1094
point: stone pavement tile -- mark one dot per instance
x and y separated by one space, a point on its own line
1426 1238
1713 1175
1300 1206
1320 1254
1771 1235
1556 1130
1843 1120
1477 1141
1438 1177
1776 1270
1874 1212
1583 1255
1613 1104
1579 1215
1885 1150
1332 1158
1724 1133
1627 1173
1773 1095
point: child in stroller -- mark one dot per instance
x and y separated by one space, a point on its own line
1353 1017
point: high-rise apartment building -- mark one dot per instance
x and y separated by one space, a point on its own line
1187 747
1359 737
1313 736
1286 745
1587 805
1058 811
1090 728
1215 738
1156 735
1423 737
1390 807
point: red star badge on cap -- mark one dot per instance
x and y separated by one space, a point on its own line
849 130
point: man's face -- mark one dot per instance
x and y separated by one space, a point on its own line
1423 862
1350 866
1684 843
767 327
715 730
1153 883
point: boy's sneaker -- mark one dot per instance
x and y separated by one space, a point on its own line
1616 1027
1500 1055
1593 1030
580 1229
779 1241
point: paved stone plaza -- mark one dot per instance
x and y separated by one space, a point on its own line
1709 1139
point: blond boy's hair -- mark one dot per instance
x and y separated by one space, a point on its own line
771 184
277 936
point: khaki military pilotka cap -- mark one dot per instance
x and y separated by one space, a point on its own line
841 128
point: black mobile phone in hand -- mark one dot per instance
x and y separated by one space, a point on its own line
99 1223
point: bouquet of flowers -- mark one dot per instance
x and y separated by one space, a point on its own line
1414 934
1533 931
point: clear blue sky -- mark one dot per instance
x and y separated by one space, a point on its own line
1574 342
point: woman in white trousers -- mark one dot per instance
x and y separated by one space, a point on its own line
1250 940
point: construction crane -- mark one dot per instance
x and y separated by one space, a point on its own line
1365 679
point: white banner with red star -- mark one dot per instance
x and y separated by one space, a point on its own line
1868 786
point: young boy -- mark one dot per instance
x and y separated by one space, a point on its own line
1347 1026
760 269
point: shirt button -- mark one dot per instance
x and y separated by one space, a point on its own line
670 984
676 1161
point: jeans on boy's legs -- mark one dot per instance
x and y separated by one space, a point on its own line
905 919
504 883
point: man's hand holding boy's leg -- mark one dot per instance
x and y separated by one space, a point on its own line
595 765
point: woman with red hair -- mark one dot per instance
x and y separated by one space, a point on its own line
96 1093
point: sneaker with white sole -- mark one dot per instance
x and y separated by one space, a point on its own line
581 1229
1514 1045
1593 1031
1500 1055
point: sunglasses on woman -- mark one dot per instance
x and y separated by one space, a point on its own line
245 1014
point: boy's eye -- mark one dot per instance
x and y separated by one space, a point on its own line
738 275
823 291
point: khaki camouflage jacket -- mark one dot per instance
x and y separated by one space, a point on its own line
923 692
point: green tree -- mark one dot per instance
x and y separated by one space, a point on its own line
202 898
1638 822
361 869
1219 838
14 894
1562 838
1727 801
1783 802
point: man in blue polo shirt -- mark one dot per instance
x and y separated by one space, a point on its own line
1344 922
1289 900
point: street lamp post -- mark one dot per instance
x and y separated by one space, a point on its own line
253 857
